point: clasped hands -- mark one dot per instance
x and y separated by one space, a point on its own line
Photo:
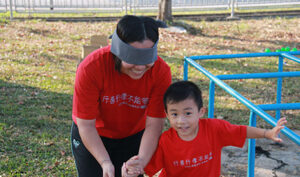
133 167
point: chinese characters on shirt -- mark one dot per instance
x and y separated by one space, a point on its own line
193 162
126 99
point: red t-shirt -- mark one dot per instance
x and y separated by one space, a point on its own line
118 103
199 157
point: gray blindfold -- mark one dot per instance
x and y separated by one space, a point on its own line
132 55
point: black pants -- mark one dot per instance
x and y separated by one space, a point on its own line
119 150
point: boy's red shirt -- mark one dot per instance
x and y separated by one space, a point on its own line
199 157
118 103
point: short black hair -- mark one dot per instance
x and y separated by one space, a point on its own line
132 28
182 90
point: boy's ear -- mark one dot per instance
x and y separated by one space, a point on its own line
202 111
166 114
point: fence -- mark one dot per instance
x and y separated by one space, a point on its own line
79 6
254 109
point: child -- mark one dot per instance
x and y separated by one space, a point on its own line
192 146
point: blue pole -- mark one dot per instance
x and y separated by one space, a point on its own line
185 70
282 106
246 55
269 119
211 101
259 75
251 147
279 86
291 57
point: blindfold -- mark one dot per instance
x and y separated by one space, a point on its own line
132 55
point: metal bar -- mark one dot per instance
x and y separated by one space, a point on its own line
282 106
268 4
232 9
6 5
291 57
126 7
29 6
242 55
185 70
211 101
293 136
251 147
10 9
15 5
279 86
259 75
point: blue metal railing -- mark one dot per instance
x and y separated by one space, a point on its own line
254 109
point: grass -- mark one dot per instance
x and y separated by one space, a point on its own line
38 62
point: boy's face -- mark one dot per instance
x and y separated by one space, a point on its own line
184 117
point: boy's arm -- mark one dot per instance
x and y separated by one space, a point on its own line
272 134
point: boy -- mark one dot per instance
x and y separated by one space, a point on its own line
192 146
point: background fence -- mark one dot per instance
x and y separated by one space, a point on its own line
79 6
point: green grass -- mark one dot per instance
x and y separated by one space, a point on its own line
38 62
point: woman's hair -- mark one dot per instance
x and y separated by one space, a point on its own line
182 90
136 29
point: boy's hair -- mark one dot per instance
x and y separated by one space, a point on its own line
132 28
182 90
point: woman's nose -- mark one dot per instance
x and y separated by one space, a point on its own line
139 67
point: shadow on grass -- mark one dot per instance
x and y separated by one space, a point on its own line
41 32
244 49
280 42
195 31
34 131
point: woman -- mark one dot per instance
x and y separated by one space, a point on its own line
118 100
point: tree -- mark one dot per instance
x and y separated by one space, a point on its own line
165 10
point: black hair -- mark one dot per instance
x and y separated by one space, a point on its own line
137 28
183 90
132 28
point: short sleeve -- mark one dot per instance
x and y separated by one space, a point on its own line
155 107
86 92
230 134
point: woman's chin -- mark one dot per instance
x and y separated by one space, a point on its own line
135 76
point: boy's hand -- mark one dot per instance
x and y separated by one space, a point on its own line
273 133
132 168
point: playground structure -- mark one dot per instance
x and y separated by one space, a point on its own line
254 109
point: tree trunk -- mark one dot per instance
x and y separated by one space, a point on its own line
165 10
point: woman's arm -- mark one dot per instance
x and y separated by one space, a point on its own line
253 132
94 144
153 130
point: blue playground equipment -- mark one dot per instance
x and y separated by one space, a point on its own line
254 109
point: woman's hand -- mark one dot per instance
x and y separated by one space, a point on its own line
108 168
133 167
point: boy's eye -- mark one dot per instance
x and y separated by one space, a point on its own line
188 113
174 114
